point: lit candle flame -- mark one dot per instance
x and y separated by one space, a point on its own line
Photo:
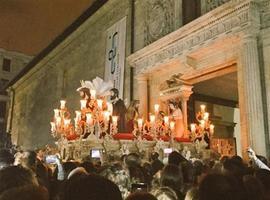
56 113
78 115
53 127
172 125
211 127
206 116
152 119
83 104
106 115
140 123
166 120
156 106
202 108
99 103
193 128
62 104
114 120
66 122
93 94
89 119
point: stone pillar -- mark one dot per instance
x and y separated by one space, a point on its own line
185 92
143 96
250 96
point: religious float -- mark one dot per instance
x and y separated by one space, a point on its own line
96 127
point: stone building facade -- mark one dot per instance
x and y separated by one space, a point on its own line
162 39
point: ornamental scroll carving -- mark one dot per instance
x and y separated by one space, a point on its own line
212 4
159 20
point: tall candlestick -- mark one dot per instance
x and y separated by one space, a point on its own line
78 115
193 128
166 120
89 119
202 108
99 103
114 120
152 119
172 125
83 104
211 127
156 106
140 123
62 104
93 94
53 126
56 113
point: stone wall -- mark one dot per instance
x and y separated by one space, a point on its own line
80 57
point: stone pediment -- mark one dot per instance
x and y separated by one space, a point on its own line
180 91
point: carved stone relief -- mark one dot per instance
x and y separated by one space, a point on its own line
212 4
159 20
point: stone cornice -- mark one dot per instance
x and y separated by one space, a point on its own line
231 17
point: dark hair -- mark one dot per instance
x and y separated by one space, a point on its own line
263 176
253 188
16 176
141 196
115 91
175 158
133 160
91 187
171 176
221 187
29 192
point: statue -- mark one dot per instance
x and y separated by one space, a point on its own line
119 109
132 115
177 117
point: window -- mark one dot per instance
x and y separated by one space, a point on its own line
6 65
191 10
2 109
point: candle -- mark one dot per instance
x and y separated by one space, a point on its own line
53 127
58 121
89 119
75 121
62 104
140 123
66 122
156 106
114 120
202 108
106 115
193 128
166 120
211 127
93 94
172 125
109 108
202 124
152 119
78 115
206 116
99 103
83 104
56 113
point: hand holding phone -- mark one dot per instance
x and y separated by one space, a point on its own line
51 159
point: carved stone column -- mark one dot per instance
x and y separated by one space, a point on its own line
185 92
250 96
143 96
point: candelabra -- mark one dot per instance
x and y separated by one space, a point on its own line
94 117
204 128
157 126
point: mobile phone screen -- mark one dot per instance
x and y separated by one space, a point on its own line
51 159
95 153
142 187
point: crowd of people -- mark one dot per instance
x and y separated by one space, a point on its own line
30 175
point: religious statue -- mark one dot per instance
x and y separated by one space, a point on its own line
177 117
119 109
132 115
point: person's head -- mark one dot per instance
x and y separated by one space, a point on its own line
16 176
235 167
253 187
132 160
173 105
114 93
84 93
68 167
91 187
218 186
29 192
176 158
6 158
141 196
164 193
171 176
134 104
263 176
29 159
